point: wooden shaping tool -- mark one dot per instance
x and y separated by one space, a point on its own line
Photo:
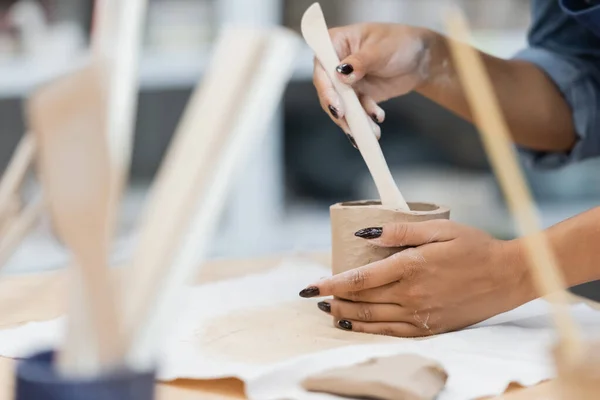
122 54
68 118
496 139
116 43
316 34
104 26
174 195
246 80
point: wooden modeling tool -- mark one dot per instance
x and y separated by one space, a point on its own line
118 40
104 26
496 139
116 43
316 34
68 119
225 118
173 196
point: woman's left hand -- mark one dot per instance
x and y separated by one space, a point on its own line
451 277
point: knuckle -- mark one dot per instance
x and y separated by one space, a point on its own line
399 232
410 270
414 258
353 296
417 332
358 280
415 294
387 331
364 313
315 80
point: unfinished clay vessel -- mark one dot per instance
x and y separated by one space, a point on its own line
348 251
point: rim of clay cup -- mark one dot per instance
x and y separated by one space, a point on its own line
416 207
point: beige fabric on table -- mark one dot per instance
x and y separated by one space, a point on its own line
41 296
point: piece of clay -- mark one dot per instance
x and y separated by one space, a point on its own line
400 377
348 251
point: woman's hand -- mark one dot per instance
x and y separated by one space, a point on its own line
453 277
380 61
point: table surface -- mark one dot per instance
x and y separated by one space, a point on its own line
38 297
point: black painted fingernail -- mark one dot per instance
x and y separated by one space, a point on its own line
334 112
324 306
352 141
344 324
345 69
374 118
311 291
369 233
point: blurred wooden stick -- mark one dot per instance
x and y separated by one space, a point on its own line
174 194
68 118
15 224
223 155
15 172
19 227
116 44
497 141
13 210
123 56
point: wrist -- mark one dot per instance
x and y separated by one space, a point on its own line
436 71
512 258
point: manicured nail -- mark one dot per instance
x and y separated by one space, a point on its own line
310 292
369 233
334 112
345 69
352 141
374 118
324 306
344 324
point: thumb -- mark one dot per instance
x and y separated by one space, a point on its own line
354 67
410 233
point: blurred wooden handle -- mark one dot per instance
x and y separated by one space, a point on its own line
18 228
497 142
258 101
13 177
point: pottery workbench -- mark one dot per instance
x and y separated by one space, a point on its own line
38 297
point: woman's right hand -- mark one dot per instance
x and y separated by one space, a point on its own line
380 61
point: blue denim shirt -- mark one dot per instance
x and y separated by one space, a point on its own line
564 41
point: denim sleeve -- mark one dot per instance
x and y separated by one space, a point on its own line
569 53
574 79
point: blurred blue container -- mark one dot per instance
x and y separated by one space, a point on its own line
36 379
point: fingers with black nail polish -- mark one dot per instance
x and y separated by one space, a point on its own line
369 233
345 69
334 112
345 325
374 118
324 306
310 291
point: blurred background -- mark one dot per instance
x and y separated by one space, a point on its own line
281 200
